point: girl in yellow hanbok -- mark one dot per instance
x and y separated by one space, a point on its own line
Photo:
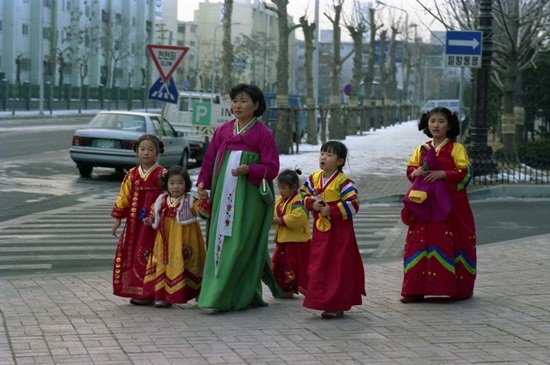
175 267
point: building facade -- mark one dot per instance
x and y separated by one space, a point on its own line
92 42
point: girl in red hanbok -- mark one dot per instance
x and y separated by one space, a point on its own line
336 278
139 190
440 248
290 259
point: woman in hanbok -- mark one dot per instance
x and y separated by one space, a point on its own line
241 154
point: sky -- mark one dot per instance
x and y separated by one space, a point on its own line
296 8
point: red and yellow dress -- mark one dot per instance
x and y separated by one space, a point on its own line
336 277
174 268
138 192
290 259
440 254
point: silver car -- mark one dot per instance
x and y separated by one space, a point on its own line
110 137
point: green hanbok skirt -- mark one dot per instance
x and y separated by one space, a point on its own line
236 264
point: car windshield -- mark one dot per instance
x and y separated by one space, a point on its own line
134 123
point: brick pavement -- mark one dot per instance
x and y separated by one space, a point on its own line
74 319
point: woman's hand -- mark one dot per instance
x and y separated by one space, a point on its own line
148 221
241 170
203 194
434 175
276 221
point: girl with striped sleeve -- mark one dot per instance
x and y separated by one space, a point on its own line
336 278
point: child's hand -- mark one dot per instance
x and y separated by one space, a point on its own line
434 175
115 226
148 221
325 210
318 205
276 221
419 172
203 194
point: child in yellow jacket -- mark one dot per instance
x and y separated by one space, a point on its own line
290 259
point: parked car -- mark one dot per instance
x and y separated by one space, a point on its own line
451 104
109 140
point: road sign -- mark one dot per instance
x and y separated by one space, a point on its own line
166 58
463 48
347 89
164 91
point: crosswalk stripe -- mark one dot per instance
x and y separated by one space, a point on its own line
82 232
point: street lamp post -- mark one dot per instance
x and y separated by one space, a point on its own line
481 154
213 85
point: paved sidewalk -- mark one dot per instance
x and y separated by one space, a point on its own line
74 319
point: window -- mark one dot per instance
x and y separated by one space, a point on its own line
118 18
104 16
47 3
148 26
25 64
25 29
180 43
46 33
134 21
1 24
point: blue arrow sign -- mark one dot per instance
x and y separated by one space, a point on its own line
463 48
463 43
164 92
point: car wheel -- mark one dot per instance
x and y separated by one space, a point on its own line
85 170
184 159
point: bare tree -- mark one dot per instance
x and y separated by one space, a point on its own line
308 30
227 47
83 42
357 29
284 129
368 77
336 126
521 31
257 49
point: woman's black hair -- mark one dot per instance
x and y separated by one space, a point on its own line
451 116
338 148
150 137
289 177
173 171
255 94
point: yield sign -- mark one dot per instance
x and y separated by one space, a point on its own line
166 58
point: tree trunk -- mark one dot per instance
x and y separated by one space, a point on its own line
353 105
283 129
227 47
336 127
369 75
308 30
